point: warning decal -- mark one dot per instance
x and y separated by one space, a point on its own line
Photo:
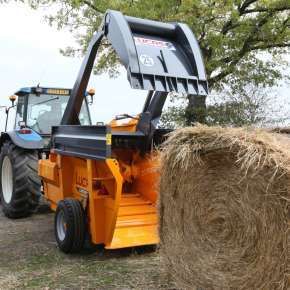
154 42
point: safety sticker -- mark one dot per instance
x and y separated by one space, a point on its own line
154 42
146 60
108 139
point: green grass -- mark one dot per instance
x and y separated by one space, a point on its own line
29 259
55 270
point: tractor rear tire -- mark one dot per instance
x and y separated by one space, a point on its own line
70 225
20 185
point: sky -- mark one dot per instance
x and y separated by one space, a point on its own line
29 54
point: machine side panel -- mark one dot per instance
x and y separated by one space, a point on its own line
90 142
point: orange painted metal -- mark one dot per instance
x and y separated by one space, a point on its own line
119 125
119 194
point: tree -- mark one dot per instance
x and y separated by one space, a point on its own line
242 41
250 106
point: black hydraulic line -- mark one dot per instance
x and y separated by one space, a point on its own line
162 60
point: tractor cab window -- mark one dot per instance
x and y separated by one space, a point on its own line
20 110
45 111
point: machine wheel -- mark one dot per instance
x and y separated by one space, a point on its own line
69 225
20 185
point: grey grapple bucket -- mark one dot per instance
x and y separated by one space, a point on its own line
158 56
161 57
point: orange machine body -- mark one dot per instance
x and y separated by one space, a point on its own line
119 195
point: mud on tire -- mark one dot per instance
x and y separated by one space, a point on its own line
19 196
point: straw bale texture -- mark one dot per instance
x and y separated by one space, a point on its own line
224 208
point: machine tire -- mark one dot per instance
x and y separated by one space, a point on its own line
19 166
70 225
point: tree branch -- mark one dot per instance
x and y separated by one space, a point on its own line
88 3
234 60
268 46
229 26
245 5
264 9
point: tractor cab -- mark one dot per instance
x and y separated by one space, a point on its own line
39 109
42 108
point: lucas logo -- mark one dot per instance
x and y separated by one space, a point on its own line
146 60
81 181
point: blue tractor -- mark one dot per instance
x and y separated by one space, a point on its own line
25 139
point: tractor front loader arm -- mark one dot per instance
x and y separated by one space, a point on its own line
160 57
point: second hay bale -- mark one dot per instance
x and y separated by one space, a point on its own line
224 208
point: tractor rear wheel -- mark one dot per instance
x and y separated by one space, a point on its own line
70 225
20 185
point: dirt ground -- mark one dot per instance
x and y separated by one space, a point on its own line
30 259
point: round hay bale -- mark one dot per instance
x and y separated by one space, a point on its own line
224 208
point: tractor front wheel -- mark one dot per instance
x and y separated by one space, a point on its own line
20 185
69 225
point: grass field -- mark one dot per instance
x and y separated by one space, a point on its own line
30 259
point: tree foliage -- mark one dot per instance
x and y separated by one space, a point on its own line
250 106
